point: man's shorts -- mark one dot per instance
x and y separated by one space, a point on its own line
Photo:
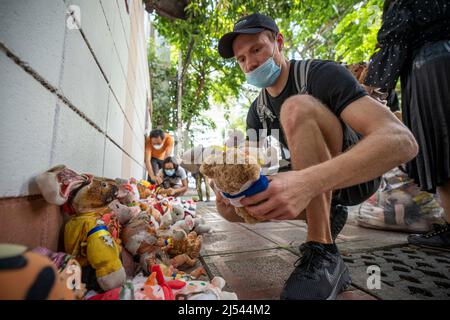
359 193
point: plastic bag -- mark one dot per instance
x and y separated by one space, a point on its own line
400 205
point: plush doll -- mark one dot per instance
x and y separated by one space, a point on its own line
87 238
144 189
126 193
189 224
178 213
124 213
189 207
58 183
236 175
183 259
27 275
69 270
139 235
190 245
203 290
155 287
86 234
166 220
158 287
200 226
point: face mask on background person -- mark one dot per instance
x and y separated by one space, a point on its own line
157 146
266 74
169 172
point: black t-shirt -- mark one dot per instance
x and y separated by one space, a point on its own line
328 82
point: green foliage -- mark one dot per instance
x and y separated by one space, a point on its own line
343 30
163 85
357 32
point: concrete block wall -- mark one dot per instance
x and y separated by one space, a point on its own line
73 96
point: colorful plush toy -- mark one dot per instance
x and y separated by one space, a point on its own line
87 238
59 183
26 275
122 212
158 287
200 226
139 235
69 270
236 175
190 245
126 193
203 290
189 224
145 190
86 234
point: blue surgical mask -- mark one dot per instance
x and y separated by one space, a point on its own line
266 74
169 172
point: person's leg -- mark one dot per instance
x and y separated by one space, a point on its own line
439 235
314 135
198 184
155 165
207 189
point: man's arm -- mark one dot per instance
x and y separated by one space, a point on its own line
148 165
387 143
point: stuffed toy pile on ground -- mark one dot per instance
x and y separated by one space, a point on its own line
131 241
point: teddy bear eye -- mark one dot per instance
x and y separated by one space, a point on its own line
104 184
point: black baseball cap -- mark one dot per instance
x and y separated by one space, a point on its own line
251 24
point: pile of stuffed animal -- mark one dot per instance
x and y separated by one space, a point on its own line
130 240
133 241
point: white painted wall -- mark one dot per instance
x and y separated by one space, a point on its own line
77 97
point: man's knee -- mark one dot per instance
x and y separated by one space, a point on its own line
298 109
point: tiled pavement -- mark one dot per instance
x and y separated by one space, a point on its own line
255 260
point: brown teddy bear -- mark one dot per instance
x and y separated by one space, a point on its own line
236 174
189 245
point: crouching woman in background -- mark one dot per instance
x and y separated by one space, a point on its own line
174 178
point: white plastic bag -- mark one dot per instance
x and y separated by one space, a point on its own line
400 205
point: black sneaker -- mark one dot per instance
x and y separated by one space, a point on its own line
438 237
320 274
338 218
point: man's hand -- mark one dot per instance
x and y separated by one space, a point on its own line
157 179
225 209
288 194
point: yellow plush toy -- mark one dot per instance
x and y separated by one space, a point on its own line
87 238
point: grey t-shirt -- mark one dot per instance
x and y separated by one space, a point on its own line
175 181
